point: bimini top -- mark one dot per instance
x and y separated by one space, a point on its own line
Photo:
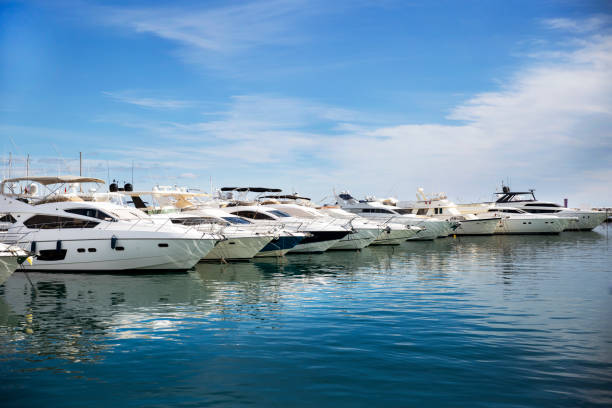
286 197
252 189
45 181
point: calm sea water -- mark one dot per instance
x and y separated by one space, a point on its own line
480 321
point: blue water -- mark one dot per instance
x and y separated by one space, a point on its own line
481 321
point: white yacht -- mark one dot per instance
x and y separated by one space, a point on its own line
360 234
517 221
10 259
440 207
388 233
526 201
238 238
64 232
320 236
375 210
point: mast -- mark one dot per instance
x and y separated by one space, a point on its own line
80 170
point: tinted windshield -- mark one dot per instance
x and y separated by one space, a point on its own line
279 213
236 220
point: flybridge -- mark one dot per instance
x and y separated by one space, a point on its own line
252 189
515 196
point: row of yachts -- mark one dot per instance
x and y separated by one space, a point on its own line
67 223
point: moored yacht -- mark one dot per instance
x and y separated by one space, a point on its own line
388 233
238 238
372 209
64 232
440 207
526 201
517 221
360 234
319 236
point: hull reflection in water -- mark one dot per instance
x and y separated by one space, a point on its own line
501 320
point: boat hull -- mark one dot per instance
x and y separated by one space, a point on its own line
129 254
358 239
278 247
318 241
520 226
237 248
481 226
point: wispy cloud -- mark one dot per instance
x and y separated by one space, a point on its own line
153 103
585 25
221 30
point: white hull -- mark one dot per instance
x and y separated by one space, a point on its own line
394 236
313 247
530 226
478 227
8 265
137 254
357 240
238 248
432 230
587 220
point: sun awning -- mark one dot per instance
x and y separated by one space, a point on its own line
56 180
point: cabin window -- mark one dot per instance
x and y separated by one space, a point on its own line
91 212
404 210
162 245
194 220
279 213
119 248
254 215
542 205
236 220
81 250
53 222
91 249
51 255
8 218
422 211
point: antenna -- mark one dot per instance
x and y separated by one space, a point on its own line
9 164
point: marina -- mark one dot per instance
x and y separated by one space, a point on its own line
288 203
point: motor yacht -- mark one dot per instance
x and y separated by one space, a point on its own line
360 234
440 207
517 221
388 233
63 232
319 235
380 212
238 238
526 201
10 258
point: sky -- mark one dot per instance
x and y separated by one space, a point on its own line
375 97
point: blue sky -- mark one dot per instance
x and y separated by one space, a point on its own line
378 97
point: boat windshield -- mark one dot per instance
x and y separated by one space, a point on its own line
279 213
236 220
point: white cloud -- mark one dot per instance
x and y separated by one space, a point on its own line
585 25
222 30
154 103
